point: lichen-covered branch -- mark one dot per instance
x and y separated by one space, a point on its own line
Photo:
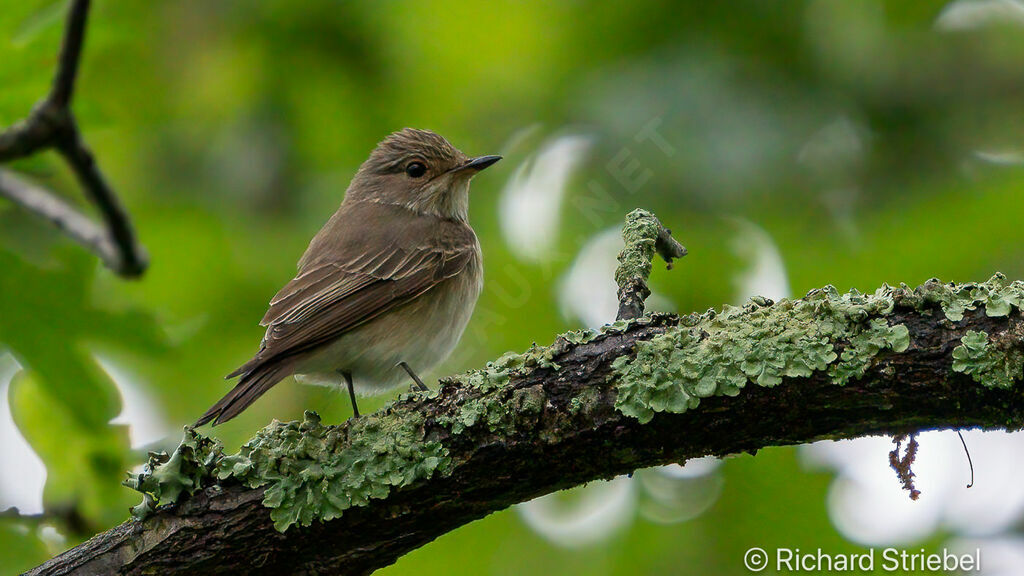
306 498
51 125
644 237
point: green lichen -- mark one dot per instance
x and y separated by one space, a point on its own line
640 234
718 354
165 478
502 413
495 410
585 402
998 296
578 337
616 327
473 411
529 401
865 345
316 472
497 373
310 471
987 362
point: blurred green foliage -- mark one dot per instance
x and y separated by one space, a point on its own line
871 142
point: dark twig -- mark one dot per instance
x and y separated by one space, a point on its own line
644 237
51 124
70 54
968 452
130 258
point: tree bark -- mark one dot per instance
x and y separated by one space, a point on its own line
226 529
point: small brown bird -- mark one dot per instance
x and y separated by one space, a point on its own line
388 284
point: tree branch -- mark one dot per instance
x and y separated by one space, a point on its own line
60 214
644 236
225 528
51 124
304 498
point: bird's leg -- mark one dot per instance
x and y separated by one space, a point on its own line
351 391
419 383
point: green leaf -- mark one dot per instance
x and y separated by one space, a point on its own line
84 466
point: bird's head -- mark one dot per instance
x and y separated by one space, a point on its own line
420 170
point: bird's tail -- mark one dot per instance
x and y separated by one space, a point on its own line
253 384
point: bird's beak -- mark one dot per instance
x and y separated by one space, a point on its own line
477 164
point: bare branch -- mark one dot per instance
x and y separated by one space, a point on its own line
51 124
61 214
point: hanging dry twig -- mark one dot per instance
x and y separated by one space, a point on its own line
902 465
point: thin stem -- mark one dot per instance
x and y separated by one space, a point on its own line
70 54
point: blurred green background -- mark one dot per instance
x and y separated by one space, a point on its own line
788 144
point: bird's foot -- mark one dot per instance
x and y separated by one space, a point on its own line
417 383
351 392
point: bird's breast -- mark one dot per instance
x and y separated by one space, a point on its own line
422 333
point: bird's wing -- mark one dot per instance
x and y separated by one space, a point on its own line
330 299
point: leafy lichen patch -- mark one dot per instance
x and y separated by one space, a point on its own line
310 471
165 478
497 373
495 409
483 409
582 336
865 345
585 403
988 363
998 296
316 472
717 354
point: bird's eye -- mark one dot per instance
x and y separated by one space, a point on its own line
416 169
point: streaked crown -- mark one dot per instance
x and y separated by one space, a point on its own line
408 144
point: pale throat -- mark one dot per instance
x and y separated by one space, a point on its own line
443 200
